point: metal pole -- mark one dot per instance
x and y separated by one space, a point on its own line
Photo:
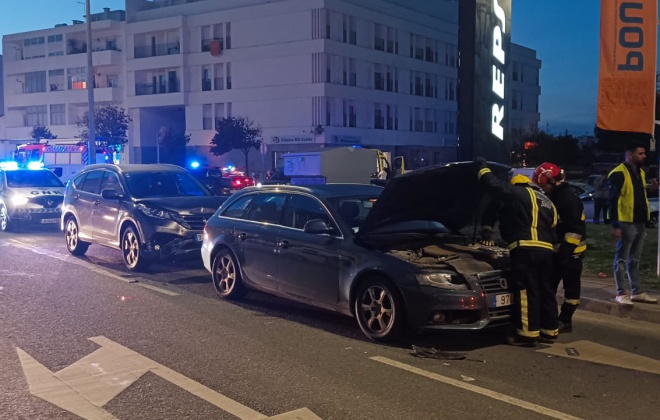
91 139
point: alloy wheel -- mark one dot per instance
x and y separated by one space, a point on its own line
377 309
226 274
131 248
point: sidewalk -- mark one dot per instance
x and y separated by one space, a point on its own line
598 296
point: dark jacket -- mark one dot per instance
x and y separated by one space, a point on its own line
527 218
571 227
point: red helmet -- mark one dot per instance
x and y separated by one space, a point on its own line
547 173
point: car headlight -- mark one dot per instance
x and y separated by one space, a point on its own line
450 281
157 213
19 200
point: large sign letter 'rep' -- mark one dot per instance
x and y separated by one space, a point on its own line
497 116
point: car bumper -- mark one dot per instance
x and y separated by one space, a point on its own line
168 239
38 216
439 309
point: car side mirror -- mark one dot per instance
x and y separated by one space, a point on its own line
111 194
317 226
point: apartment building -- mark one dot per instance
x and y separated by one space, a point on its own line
311 73
525 92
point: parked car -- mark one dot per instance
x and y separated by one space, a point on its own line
149 212
29 197
393 258
588 203
580 188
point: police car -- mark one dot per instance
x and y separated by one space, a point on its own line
29 196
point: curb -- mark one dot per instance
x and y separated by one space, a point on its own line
636 312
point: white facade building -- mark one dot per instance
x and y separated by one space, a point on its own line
311 73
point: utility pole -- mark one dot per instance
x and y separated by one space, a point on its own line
91 139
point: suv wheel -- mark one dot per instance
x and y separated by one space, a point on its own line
131 248
227 276
5 224
379 310
72 237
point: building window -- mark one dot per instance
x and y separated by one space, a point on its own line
35 82
450 89
56 80
416 121
228 76
55 53
219 79
379 118
206 78
349 74
76 78
36 116
55 38
113 80
379 37
33 41
58 114
392 41
349 117
379 81
349 35
207 119
392 120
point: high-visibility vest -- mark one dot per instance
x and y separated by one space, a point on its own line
626 203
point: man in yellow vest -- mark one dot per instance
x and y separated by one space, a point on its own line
629 211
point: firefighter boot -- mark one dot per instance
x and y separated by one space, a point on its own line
566 317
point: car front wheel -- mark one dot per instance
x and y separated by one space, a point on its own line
227 276
72 237
5 223
379 310
131 248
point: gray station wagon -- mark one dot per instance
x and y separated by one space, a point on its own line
393 258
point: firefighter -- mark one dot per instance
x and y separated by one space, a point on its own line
527 220
571 238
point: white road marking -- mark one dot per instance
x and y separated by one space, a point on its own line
91 267
597 353
84 387
476 389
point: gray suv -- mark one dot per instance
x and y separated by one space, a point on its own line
149 212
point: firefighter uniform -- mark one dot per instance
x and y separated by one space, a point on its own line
527 222
571 238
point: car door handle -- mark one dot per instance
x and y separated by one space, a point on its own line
241 236
283 244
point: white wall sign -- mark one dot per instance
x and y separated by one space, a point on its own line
292 139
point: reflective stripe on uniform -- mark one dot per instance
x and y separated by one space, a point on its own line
535 215
533 244
483 171
551 333
572 238
574 302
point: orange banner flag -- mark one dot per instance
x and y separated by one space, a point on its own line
628 50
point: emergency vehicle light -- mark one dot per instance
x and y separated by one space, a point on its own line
9 166
35 165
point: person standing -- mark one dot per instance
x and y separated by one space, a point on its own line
527 220
571 238
600 198
629 212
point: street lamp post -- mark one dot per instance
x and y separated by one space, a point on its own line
91 138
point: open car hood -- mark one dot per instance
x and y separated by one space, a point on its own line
450 194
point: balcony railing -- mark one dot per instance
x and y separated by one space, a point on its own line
156 50
156 88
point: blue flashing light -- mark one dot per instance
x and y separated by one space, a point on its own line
106 158
35 165
194 164
9 165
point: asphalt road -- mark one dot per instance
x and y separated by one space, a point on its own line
83 335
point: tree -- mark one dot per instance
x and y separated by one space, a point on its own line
236 133
110 126
173 146
40 132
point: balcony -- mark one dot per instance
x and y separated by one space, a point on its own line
157 50
171 86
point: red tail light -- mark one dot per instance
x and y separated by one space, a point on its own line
237 182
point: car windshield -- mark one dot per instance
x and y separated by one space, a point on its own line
164 184
353 210
22 179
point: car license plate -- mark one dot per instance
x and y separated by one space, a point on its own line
50 220
504 299
198 237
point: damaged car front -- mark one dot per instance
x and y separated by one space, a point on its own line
427 219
